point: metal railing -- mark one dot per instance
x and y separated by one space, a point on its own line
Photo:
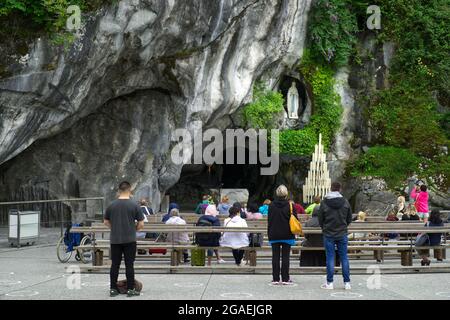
56 212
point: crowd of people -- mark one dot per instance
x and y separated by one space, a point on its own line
332 214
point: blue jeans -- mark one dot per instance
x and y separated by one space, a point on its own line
330 247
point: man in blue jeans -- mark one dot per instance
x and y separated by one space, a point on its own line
335 215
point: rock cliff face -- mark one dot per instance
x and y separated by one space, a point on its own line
104 110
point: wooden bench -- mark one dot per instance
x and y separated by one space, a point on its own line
406 248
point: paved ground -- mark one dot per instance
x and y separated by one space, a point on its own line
35 273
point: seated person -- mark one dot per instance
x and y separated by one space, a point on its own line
392 216
298 207
235 240
145 207
142 235
400 207
178 237
314 258
412 213
264 209
434 238
405 217
200 209
224 206
361 217
253 213
209 219
238 205
311 207
167 216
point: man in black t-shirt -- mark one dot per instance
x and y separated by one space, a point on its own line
121 217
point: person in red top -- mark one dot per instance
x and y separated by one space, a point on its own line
298 207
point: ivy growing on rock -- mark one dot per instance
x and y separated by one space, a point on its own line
332 31
50 15
266 108
390 163
327 111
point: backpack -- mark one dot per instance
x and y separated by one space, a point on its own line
122 286
256 240
423 239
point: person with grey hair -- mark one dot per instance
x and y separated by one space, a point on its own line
178 237
280 236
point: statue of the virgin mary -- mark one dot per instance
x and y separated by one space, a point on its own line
293 102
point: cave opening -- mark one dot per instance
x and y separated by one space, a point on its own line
199 179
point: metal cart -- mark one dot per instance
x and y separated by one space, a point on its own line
24 227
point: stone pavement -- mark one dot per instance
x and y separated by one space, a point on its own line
35 273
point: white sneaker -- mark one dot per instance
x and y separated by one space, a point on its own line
221 261
327 286
347 286
287 283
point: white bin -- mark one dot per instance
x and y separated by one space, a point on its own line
24 227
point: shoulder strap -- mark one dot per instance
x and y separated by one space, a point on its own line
290 208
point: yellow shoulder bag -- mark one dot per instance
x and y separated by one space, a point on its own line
296 226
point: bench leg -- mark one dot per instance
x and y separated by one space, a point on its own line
406 258
247 257
439 254
378 255
98 258
252 256
174 260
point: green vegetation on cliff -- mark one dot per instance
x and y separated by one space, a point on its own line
265 108
48 14
404 117
327 111
391 163
332 29
21 20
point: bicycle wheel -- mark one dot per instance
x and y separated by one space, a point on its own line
85 254
61 251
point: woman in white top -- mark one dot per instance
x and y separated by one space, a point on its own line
178 237
235 240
